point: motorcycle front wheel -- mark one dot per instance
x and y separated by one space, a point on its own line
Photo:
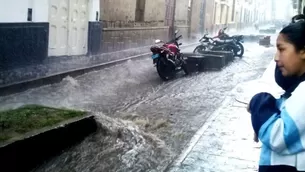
166 69
240 53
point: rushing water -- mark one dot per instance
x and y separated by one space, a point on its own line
117 146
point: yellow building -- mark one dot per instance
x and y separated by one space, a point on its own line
226 12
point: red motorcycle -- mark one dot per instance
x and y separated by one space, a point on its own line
167 58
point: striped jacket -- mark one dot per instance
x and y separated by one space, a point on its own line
280 126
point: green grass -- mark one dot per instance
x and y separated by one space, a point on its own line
19 121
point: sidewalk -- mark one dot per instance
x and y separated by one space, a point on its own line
54 69
225 142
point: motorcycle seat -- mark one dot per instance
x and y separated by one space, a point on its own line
224 41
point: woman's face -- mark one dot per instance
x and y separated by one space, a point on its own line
288 59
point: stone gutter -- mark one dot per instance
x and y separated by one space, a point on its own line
24 153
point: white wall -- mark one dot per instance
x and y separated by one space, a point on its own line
14 11
94 6
40 10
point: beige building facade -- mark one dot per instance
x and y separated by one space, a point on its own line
133 23
182 17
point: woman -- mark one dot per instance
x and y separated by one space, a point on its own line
288 83
280 123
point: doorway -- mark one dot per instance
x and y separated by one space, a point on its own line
68 20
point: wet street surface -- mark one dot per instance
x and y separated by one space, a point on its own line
225 141
144 122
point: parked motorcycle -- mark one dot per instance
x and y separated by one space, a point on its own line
222 42
167 58
238 39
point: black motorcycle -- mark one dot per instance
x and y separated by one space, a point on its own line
223 42
238 39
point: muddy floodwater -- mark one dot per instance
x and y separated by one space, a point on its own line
144 123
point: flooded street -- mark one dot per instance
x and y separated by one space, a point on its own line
144 122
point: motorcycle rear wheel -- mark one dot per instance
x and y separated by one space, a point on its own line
200 49
166 70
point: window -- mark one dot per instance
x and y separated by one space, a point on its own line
140 9
222 8
233 11
215 14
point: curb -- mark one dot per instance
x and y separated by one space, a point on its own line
56 78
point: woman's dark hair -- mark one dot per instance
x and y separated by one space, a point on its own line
296 18
295 32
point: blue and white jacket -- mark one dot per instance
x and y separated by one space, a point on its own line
280 126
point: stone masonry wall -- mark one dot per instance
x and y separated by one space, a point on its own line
181 12
124 10
209 15
195 20
118 10
116 39
181 18
121 32
154 10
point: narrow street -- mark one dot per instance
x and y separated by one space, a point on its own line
132 94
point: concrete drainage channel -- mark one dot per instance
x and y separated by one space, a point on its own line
34 148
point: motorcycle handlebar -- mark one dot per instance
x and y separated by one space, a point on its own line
175 40
179 37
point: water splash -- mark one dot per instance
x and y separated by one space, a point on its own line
118 145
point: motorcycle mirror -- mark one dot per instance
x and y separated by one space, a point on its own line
158 41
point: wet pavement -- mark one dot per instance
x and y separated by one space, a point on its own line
150 119
225 142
